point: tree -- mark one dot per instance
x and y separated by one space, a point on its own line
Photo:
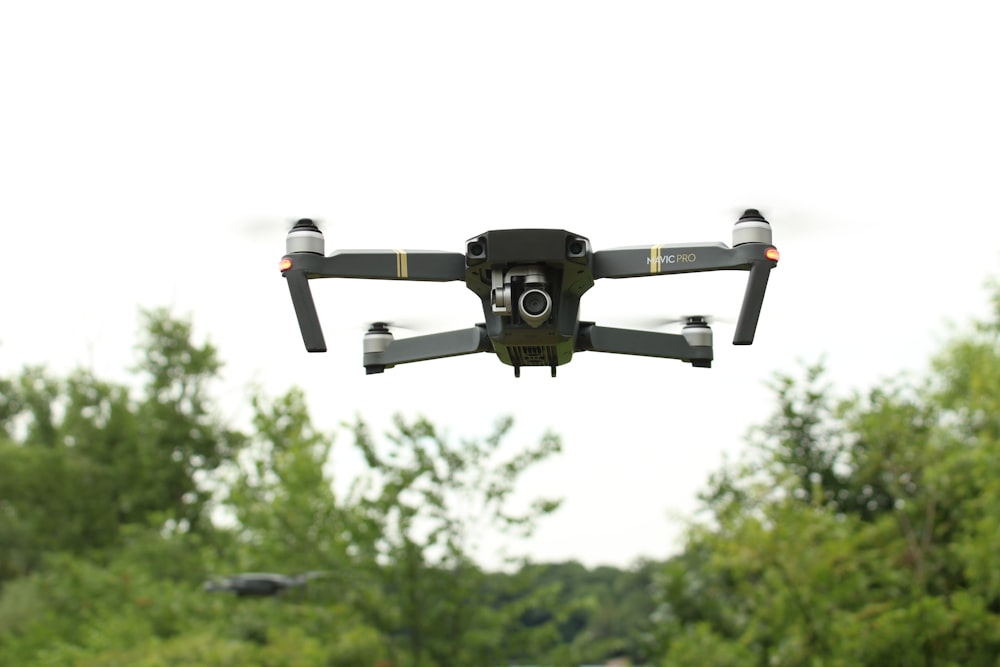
861 531
283 502
87 451
399 547
426 503
107 495
179 440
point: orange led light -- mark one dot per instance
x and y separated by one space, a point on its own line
773 254
285 264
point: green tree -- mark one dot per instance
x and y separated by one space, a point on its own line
88 452
105 537
399 547
109 491
180 441
860 532
283 502
427 502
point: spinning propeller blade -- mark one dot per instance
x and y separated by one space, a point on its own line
672 320
269 230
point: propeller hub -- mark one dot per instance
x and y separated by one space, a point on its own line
304 236
697 332
377 339
751 228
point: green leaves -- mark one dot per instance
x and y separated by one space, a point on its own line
91 454
861 530
116 504
427 502
282 500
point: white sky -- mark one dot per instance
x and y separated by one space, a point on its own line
154 154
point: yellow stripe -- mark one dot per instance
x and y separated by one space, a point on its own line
401 269
654 259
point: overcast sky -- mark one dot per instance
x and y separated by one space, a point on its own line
155 153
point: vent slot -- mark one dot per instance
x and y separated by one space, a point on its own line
533 355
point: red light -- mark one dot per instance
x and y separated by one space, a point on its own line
285 264
772 254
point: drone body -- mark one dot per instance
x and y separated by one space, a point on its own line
530 282
254 584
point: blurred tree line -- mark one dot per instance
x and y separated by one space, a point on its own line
857 530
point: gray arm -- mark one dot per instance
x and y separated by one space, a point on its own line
430 265
757 258
299 267
644 343
382 351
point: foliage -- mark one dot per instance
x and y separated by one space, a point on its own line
596 614
426 503
859 531
90 453
117 501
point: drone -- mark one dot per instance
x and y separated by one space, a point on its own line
530 282
258 584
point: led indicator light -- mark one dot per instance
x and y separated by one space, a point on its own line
772 253
285 264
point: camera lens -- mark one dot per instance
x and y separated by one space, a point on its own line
535 307
534 302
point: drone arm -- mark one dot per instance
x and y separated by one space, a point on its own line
685 258
305 310
423 348
753 299
757 258
643 343
430 265
299 267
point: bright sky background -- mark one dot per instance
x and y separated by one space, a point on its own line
155 153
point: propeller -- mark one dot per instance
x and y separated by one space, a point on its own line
789 222
260 584
413 325
663 322
269 230
407 325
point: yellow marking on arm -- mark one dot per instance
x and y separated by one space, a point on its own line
401 268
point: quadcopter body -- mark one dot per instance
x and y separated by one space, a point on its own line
255 584
530 283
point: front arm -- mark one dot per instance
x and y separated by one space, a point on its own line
757 258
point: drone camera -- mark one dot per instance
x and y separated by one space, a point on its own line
304 236
576 248
751 228
475 251
535 306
